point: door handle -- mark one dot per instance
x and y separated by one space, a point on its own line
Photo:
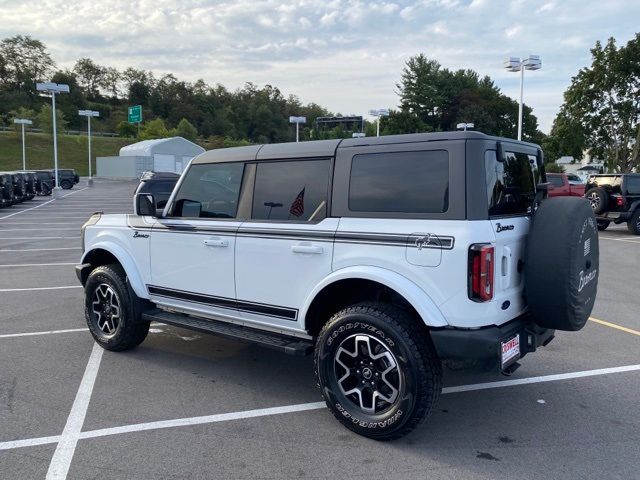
216 242
307 249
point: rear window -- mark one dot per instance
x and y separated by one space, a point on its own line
511 184
555 180
633 185
406 182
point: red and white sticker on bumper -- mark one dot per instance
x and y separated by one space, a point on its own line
510 350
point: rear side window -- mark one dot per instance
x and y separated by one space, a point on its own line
633 185
209 191
511 184
291 190
406 182
556 181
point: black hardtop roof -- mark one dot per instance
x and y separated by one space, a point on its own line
327 148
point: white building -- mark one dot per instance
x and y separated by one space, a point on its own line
583 168
161 155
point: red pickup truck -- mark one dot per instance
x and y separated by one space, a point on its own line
565 185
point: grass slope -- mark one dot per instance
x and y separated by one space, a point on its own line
72 151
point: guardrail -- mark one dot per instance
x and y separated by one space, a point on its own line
63 132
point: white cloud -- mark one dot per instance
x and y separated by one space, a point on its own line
346 55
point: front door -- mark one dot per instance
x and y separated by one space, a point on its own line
286 248
193 248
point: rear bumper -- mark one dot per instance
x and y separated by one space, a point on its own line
483 346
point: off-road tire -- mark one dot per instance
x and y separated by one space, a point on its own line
633 225
598 199
131 329
603 224
66 184
396 331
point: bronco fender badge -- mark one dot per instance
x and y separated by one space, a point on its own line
502 228
137 234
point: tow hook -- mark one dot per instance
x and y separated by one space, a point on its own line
507 372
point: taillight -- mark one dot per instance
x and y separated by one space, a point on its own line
481 262
619 201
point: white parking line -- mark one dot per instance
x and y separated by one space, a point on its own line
36 264
37 238
26 210
2 250
179 422
629 240
49 332
37 288
61 461
41 223
37 229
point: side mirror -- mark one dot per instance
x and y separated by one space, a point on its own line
145 205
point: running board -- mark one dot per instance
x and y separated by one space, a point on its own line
283 343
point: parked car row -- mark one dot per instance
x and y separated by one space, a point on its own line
19 186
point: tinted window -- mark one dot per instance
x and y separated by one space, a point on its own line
573 177
511 183
633 185
555 180
294 190
209 191
407 182
164 186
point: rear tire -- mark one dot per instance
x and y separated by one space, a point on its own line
378 370
66 184
603 224
634 223
598 199
112 309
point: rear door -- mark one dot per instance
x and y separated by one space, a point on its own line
511 188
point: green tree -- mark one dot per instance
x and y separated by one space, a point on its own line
552 167
44 120
90 76
126 129
154 129
604 100
566 138
23 62
186 130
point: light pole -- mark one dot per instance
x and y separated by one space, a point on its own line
464 126
23 122
53 88
89 114
297 121
515 64
381 112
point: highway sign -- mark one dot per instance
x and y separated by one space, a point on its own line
135 114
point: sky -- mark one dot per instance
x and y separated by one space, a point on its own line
344 55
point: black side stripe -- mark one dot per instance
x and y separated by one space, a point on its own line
223 302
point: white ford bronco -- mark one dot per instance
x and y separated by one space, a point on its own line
384 257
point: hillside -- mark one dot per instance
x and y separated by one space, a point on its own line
72 151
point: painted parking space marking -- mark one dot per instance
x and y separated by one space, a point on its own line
32 289
2 250
26 210
47 332
37 238
48 229
628 240
61 461
15 265
616 326
223 417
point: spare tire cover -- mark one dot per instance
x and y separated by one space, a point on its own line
562 263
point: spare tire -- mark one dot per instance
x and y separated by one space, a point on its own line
562 263
598 199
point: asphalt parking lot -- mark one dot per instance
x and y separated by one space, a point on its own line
186 405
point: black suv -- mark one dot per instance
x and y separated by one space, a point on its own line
615 198
159 184
45 181
67 177
6 190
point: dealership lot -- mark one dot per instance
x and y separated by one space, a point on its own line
186 405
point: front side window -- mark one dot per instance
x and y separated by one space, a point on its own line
403 182
209 191
291 190
511 184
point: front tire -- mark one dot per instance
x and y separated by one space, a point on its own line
378 370
603 224
112 310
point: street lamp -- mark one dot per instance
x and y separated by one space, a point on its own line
515 64
464 126
89 114
381 112
53 88
23 122
297 121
